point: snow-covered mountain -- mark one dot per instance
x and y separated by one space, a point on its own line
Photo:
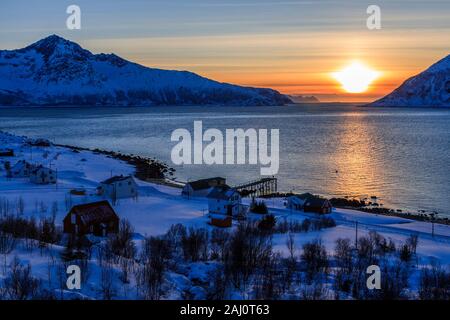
55 71
431 88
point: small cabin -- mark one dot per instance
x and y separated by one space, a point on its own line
318 205
38 142
221 221
201 188
118 187
5 152
96 218
80 191
21 169
42 175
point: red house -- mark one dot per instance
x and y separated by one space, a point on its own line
97 218
318 205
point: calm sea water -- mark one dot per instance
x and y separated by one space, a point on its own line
402 156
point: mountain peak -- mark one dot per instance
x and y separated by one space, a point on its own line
444 63
56 71
56 44
430 88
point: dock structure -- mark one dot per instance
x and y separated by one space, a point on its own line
258 188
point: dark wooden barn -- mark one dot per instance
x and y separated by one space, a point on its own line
317 205
97 218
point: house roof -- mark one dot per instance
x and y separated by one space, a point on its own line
221 192
204 183
39 167
116 179
297 200
21 163
94 212
6 150
315 202
305 196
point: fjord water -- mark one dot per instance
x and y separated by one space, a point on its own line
402 156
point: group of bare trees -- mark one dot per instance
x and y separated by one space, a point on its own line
241 261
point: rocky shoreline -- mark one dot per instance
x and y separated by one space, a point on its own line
361 205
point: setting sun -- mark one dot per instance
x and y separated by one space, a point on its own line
356 77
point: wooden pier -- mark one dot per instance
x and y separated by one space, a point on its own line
258 188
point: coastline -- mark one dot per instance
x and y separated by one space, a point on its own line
154 171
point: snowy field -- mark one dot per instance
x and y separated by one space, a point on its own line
160 206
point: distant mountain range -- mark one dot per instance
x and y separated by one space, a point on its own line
303 99
430 88
55 71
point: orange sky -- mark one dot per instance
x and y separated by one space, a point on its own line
292 46
291 63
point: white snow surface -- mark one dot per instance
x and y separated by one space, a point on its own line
160 206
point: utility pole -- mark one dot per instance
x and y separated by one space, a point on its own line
433 216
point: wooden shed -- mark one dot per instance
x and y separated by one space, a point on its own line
97 218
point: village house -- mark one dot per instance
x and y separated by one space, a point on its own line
21 169
224 200
42 175
5 152
318 205
201 188
118 187
96 218
38 142
295 203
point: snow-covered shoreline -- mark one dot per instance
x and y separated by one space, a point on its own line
84 168
160 206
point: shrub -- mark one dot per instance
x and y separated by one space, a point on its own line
247 250
259 207
315 258
20 284
267 223
405 253
122 244
195 244
434 283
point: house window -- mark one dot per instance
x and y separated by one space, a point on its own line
73 218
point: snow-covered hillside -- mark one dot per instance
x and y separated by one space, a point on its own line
160 207
55 71
431 88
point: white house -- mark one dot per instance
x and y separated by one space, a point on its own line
295 203
225 201
118 187
201 188
42 175
21 169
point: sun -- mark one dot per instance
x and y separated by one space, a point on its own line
356 77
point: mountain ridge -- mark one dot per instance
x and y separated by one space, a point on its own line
430 88
56 71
